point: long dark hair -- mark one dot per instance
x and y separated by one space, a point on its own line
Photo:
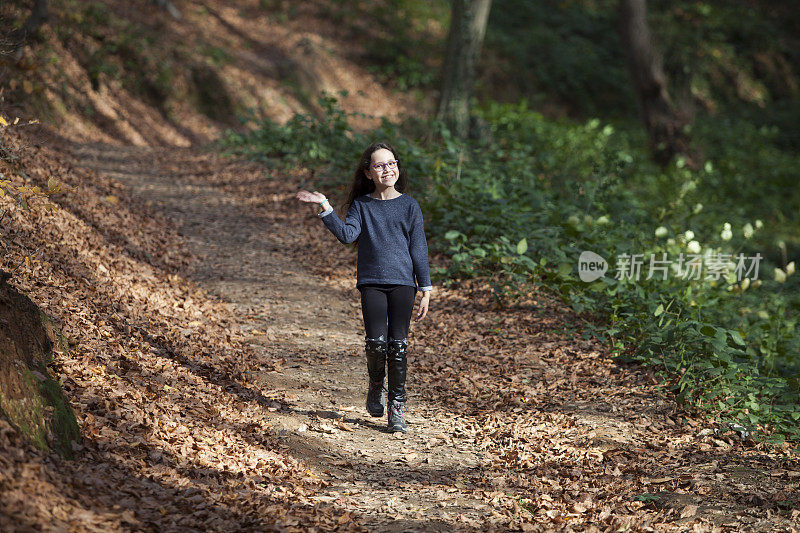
362 184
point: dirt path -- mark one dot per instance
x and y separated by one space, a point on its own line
311 327
514 420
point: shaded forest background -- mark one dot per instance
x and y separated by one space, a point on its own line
132 369
557 160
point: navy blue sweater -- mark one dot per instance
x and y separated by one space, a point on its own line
391 240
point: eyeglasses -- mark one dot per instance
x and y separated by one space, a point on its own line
381 167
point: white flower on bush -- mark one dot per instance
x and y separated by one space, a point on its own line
698 207
661 231
759 224
689 235
780 275
726 232
670 242
748 230
693 247
573 220
603 220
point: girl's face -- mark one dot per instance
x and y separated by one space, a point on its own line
383 168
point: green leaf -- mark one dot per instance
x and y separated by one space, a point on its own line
564 269
478 252
522 246
708 331
659 310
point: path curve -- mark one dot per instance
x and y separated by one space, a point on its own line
313 328
516 423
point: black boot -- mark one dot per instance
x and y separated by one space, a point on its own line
396 360
376 367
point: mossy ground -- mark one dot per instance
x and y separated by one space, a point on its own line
30 399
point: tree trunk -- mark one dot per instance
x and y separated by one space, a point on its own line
663 122
467 28
37 18
20 37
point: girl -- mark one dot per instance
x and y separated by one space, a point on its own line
392 251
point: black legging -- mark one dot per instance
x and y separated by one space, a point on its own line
382 304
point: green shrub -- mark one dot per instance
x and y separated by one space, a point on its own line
518 208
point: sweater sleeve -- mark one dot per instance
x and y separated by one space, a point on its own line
418 248
347 231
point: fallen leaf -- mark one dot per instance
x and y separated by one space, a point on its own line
689 511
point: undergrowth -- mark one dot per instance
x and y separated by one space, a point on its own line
520 207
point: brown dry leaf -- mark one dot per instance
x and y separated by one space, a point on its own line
581 507
343 426
657 481
689 511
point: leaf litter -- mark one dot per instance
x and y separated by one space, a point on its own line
215 368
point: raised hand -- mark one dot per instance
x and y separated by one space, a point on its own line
310 197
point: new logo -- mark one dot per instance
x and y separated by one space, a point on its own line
591 266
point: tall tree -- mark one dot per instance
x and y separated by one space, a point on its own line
21 36
467 28
664 123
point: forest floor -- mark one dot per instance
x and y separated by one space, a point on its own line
515 421
216 363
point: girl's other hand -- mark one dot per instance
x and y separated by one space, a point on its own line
423 306
310 197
